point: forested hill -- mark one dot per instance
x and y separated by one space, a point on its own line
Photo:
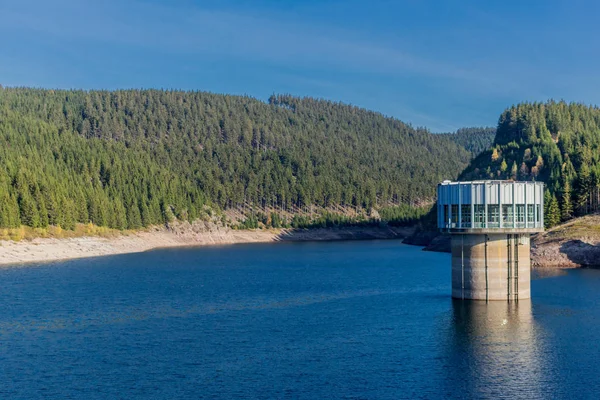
475 140
554 142
133 158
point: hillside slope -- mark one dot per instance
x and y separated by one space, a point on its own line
133 158
475 140
553 142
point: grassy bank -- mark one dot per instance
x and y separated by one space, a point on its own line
585 227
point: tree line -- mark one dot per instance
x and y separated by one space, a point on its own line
554 142
474 139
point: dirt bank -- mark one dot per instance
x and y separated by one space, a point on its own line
570 245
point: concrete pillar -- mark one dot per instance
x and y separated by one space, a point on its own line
496 268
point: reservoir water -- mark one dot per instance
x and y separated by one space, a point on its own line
351 320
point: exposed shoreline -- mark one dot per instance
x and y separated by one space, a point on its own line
572 245
47 249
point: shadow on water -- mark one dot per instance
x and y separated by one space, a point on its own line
495 350
343 233
542 273
582 253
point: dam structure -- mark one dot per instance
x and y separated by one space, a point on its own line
490 224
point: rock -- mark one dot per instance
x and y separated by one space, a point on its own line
440 244
421 238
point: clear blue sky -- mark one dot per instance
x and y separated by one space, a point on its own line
439 64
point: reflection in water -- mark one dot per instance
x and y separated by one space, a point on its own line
496 350
541 273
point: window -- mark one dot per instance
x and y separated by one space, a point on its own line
466 215
493 216
539 218
507 215
520 215
479 216
455 214
530 214
446 215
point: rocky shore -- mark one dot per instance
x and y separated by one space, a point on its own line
575 244
571 245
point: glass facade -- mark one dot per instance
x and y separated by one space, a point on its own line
446 215
507 215
520 215
455 214
491 205
530 215
493 216
479 216
465 212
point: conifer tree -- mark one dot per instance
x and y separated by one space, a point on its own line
133 217
28 211
6 211
14 220
566 207
82 156
582 189
552 218
68 220
513 171
120 218
553 142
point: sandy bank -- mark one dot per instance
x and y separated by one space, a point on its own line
183 234
58 249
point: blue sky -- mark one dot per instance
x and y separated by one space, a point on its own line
442 64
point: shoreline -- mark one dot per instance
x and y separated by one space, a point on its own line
549 250
42 250
573 244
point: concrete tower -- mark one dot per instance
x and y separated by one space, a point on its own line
490 223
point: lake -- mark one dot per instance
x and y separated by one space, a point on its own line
351 320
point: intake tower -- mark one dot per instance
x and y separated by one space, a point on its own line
490 223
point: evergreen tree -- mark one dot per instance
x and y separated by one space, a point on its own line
134 217
120 217
83 156
558 143
552 217
69 214
8 211
474 140
29 213
584 185
547 201
566 209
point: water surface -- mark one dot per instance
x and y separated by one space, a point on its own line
357 320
